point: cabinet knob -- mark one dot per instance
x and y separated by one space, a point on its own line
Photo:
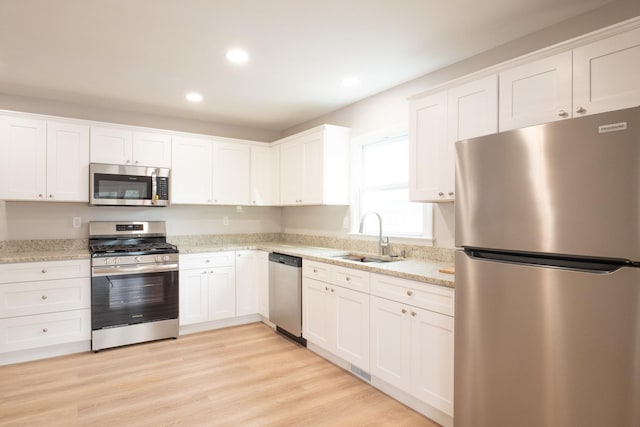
326 288
43 297
211 271
333 290
348 279
315 271
137 162
204 272
562 113
51 196
40 196
44 270
254 202
207 260
441 194
128 161
413 313
451 193
409 293
580 110
404 311
45 330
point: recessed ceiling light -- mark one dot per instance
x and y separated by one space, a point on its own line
350 82
237 56
193 97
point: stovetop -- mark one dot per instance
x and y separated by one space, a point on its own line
100 249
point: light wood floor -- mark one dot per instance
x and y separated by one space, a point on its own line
242 376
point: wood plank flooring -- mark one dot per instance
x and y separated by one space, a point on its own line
241 376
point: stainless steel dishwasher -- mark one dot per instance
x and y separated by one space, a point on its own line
285 295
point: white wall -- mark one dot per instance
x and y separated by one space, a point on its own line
390 108
42 220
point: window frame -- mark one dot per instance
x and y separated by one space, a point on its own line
357 146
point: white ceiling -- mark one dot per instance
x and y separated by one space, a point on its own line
144 55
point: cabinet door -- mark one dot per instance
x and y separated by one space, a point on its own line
246 283
390 343
428 173
194 299
67 162
222 293
23 159
262 277
319 313
231 170
313 174
432 358
191 174
261 176
352 327
45 296
152 149
605 74
111 145
291 172
537 92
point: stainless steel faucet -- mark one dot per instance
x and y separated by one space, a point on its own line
383 241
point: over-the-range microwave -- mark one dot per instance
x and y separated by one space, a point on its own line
120 185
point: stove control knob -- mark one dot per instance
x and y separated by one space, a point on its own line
166 257
116 261
138 259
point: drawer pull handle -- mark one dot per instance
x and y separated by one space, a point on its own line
348 279
409 293
326 288
333 290
413 313
43 297
44 270
45 330
315 271
404 311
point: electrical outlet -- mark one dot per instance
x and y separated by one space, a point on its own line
225 220
345 223
77 221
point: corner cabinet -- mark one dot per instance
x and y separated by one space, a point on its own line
436 122
314 167
43 160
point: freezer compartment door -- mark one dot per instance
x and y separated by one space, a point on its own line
537 346
569 187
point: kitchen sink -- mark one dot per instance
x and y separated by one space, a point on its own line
365 258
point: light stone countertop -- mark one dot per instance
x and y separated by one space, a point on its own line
406 268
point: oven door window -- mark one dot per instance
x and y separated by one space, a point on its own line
133 298
122 187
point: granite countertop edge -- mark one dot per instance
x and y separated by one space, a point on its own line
406 268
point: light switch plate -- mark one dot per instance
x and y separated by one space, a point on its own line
77 221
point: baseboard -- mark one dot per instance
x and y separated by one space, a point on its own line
218 324
44 352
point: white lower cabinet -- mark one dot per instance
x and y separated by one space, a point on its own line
411 346
44 304
336 318
262 266
207 287
246 282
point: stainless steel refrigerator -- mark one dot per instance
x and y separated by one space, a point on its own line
547 315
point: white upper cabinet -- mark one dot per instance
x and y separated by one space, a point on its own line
436 122
67 162
263 170
231 173
594 78
537 92
191 170
43 160
124 147
606 74
209 172
314 167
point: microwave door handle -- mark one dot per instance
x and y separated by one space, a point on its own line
154 188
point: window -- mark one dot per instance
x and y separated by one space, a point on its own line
382 185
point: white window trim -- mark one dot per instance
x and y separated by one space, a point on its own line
356 177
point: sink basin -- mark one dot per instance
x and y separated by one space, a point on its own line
364 258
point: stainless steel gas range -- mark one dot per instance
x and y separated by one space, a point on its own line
134 283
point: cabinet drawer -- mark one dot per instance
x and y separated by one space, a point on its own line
206 260
318 271
424 295
31 271
357 280
25 332
21 299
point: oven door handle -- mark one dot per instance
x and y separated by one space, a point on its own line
132 269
